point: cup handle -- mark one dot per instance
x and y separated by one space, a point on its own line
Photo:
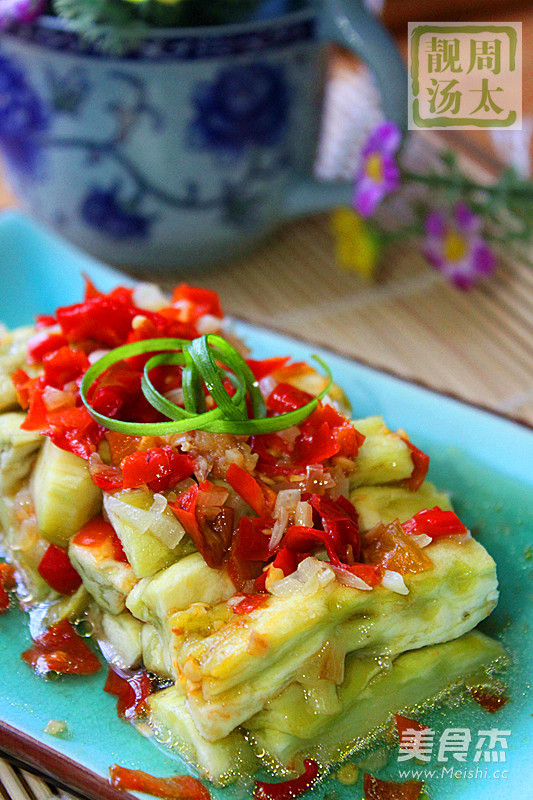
349 23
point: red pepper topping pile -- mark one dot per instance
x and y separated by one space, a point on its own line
285 790
323 443
435 523
179 787
7 581
58 572
101 321
60 649
376 789
131 691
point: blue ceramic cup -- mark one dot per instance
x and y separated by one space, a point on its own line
192 146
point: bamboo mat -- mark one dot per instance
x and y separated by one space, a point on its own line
476 345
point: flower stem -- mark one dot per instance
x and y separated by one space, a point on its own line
461 183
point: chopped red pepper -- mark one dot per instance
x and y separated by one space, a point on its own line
275 455
105 320
435 523
340 521
75 430
211 540
43 343
4 599
7 576
376 789
260 497
159 468
404 723
37 416
107 478
249 603
121 446
490 700
250 543
58 572
63 366
326 433
44 321
178 787
99 533
60 649
24 386
90 289
285 790
7 581
249 551
194 302
131 691
266 366
370 574
420 468
285 397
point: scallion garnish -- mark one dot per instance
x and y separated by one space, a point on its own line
206 362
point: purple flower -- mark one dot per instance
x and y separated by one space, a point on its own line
104 210
379 173
13 11
454 246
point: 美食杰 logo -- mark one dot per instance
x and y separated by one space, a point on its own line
465 76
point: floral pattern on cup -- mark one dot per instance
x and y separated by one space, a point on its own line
104 210
24 118
245 106
242 113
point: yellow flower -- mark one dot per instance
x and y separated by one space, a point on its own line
356 246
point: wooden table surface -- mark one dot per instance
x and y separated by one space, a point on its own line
477 345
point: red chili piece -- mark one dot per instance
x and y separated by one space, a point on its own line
99 533
287 789
405 723
43 343
257 494
178 787
131 691
211 540
63 366
105 320
420 468
60 649
376 789
487 699
249 603
159 468
435 523
266 366
7 581
195 301
58 572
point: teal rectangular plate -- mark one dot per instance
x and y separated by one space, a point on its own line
485 460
